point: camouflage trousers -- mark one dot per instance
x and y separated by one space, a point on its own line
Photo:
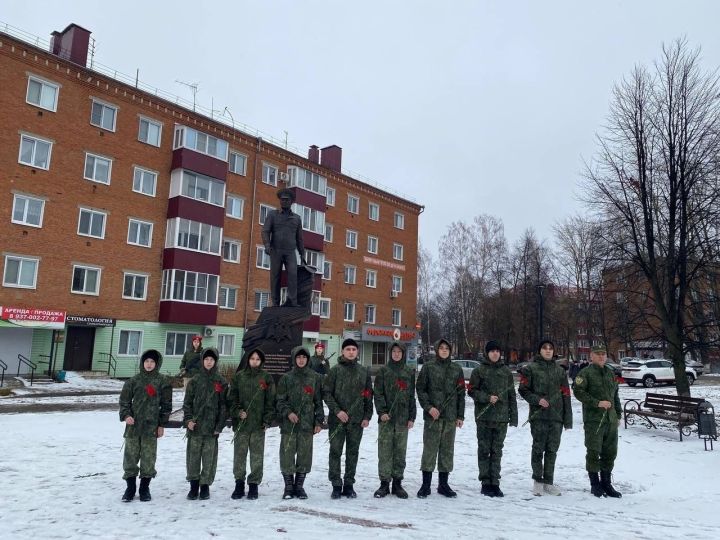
438 445
601 444
254 443
142 450
348 436
296 452
491 439
546 442
201 458
392 447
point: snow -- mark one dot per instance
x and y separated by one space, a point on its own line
74 382
62 476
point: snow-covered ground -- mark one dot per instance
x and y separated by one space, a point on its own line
62 473
74 382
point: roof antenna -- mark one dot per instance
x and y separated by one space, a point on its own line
193 87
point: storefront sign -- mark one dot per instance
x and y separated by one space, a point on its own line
384 264
33 317
82 320
388 334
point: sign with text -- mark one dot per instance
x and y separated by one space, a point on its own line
33 317
84 320
388 334
384 264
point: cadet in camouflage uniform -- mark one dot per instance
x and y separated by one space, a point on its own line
251 400
204 417
300 412
492 388
145 406
596 388
347 390
192 360
318 362
395 405
441 393
544 385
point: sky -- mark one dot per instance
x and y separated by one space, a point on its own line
466 107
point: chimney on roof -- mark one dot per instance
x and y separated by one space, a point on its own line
331 157
314 154
71 44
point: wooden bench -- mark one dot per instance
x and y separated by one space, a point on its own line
680 409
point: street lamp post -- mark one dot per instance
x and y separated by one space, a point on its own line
541 306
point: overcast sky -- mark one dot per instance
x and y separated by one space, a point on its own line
469 107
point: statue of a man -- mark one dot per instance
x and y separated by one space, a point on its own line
282 235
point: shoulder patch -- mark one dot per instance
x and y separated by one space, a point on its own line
579 380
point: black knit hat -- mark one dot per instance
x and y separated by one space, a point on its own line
545 342
492 346
151 354
349 342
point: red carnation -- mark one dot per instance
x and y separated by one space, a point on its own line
309 390
565 390
150 390
218 387
461 382
366 393
523 380
468 387
619 380
263 385
402 385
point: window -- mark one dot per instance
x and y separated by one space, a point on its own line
186 137
374 211
193 235
351 239
35 152
42 93
379 353
315 303
234 206
398 252
324 308
263 259
98 168
85 280
350 272
187 286
238 163
312 220
269 174
370 314
353 205
144 181
228 297
231 251
397 284
307 180
315 259
91 223
103 115
198 187
330 196
176 343
328 232
129 344
262 300
372 245
399 220
371 278
349 312
139 233
134 286
20 271
396 317
28 210
150 131
264 211
226 344
327 270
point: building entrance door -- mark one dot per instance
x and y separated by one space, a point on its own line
79 344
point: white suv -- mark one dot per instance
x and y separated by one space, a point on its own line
652 372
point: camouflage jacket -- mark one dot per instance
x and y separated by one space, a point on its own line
147 398
494 379
348 388
205 403
394 392
252 390
299 391
441 384
592 385
544 379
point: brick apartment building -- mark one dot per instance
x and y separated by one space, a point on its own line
132 223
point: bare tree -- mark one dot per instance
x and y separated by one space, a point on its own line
654 186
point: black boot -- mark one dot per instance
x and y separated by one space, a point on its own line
239 492
488 490
606 484
144 490
193 493
252 492
383 490
289 491
398 490
336 492
595 487
443 487
424 490
129 494
348 491
498 491
299 489
204 492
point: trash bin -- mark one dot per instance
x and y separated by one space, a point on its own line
707 428
60 376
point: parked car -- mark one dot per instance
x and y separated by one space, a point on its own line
626 359
696 365
517 368
652 372
617 368
467 367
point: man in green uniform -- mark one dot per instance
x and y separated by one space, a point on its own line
596 388
441 393
191 362
544 385
347 391
492 388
